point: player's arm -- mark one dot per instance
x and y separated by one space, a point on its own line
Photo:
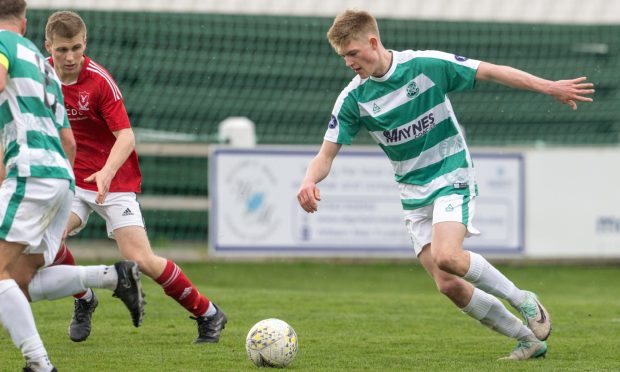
123 147
319 167
68 143
564 91
2 167
4 65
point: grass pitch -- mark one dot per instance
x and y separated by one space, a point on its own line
349 317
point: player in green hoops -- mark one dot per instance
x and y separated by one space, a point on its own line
36 191
400 97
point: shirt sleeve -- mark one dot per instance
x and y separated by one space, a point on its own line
112 106
61 113
62 121
452 72
344 123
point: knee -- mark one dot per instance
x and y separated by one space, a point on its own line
151 265
450 288
446 262
145 262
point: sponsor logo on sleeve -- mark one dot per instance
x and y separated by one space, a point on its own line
460 58
333 122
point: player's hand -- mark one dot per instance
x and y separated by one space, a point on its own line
572 91
308 196
103 179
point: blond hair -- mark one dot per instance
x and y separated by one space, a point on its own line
66 24
351 25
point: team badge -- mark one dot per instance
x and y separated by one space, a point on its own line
83 103
412 89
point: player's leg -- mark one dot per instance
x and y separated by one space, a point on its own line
125 224
123 278
15 312
85 301
486 277
134 245
449 255
64 255
58 281
481 306
65 280
19 197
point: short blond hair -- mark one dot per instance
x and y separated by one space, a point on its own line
351 25
65 24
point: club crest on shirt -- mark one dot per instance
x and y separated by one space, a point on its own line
83 104
412 89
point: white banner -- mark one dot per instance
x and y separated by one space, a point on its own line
254 210
573 203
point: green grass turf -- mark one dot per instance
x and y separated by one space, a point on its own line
349 317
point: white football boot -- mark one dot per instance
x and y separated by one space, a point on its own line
527 350
536 316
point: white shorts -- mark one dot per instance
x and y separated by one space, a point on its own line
120 209
34 212
419 222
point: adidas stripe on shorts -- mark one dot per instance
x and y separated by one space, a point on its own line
120 209
419 222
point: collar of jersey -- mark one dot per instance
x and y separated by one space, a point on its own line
389 72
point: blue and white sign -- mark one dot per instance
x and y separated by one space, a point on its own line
254 209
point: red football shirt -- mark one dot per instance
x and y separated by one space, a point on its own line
95 109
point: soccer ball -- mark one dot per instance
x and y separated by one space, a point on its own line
271 343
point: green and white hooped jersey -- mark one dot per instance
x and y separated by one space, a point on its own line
32 112
408 113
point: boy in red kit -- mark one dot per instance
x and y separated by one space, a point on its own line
108 177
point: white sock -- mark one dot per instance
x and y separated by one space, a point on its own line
211 310
16 316
41 363
87 296
486 277
55 282
490 311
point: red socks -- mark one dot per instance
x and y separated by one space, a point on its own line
177 286
172 280
64 256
